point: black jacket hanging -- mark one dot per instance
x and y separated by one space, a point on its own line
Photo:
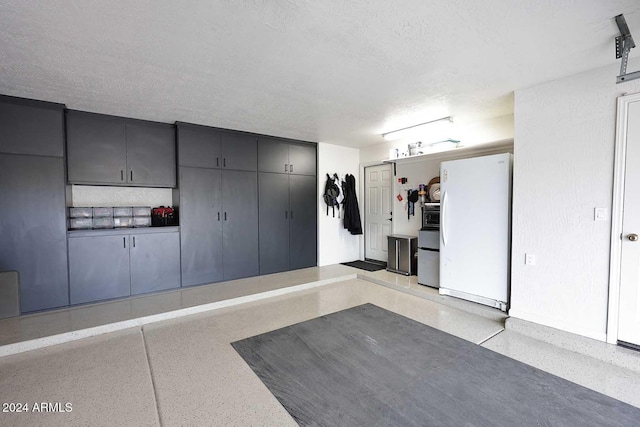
351 210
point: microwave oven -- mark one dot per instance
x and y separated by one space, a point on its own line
431 217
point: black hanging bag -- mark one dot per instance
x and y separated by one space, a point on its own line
330 196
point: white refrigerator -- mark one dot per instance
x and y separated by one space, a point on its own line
475 229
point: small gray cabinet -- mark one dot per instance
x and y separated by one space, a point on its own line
205 147
155 262
31 127
151 154
118 151
96 149
98 268
120 263
282 157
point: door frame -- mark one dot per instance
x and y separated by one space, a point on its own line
619 170
362 189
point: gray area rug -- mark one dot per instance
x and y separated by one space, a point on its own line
367 366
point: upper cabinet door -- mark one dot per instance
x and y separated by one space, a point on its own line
302 159
239 151
151 154
96 149
31 127
273 156
198 146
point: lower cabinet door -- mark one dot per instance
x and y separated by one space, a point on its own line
98 268
274 222
155 262
240 224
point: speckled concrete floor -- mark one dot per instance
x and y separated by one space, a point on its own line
185 372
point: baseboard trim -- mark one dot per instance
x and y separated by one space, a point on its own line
557 324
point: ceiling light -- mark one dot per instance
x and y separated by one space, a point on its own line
433 130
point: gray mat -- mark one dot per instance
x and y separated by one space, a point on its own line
368 366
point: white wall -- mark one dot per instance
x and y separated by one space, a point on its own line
335 244
89 195
563 169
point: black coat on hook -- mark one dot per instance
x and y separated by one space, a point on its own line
351 210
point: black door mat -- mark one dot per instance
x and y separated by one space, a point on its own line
368 366
365 265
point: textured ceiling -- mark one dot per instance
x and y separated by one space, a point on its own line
341 72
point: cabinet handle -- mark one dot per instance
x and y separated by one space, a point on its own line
286 214
218 216
224 162
217 161
124 242
134 241
131 176
121 175
291 168
286 167
225 216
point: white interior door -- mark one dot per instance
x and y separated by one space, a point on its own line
377 214
629 314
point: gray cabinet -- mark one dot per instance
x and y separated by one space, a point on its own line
198 146
151 154
98 268
288 222
33 228
31 127
239 151
200 225
205 147
219 222
282 157
96 149
155 262
118 263
117 151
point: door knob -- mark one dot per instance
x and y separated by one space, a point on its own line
633 237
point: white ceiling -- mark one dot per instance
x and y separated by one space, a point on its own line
333 71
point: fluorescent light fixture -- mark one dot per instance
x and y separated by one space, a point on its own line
433 130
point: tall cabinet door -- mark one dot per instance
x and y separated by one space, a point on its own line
274 222
155 262
200 226
303 214
98 268
96 148
240 219
33 229
151 154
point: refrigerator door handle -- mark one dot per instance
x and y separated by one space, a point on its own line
443 226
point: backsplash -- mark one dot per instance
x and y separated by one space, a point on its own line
88 195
